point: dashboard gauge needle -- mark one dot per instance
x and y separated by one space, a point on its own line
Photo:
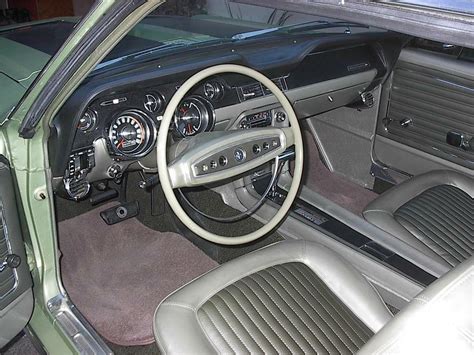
120 144
190 128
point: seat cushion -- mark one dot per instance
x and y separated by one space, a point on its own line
281 309
433 213
442 218
289 297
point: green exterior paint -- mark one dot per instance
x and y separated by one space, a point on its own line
20 62
38 22
19 66
27 158
166 34
11 92
29 161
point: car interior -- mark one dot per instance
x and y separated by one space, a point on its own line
163 169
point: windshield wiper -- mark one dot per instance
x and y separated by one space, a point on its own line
324 25
301 27
142 53
256 33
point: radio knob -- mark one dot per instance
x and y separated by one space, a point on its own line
280 116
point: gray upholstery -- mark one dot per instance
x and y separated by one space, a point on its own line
283 308
442 217
288 297
300 297
432 212
437 321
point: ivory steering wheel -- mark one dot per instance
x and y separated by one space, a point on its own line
191 165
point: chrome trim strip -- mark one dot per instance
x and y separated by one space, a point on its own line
76 327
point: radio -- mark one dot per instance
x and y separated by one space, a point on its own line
259 119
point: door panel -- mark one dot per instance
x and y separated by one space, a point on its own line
16 301
430 94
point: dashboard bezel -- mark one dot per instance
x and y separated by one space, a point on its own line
379 49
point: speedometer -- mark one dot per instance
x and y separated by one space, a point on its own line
132 134
194 115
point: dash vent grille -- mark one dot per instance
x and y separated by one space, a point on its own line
255 90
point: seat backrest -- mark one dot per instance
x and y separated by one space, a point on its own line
437 321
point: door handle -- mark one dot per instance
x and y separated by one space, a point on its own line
406 122
460 140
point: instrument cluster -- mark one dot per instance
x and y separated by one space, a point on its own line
130 122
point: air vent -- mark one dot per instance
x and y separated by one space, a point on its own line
251 91
280 83
255 90
367 98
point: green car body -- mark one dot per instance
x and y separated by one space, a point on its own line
24 73
28 159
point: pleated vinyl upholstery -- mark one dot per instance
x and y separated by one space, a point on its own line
442 218
282 309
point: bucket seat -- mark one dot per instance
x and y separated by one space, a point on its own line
301 297
432 212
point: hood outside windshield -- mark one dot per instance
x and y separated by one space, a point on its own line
26 49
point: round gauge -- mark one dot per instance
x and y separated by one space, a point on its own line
213 90
132 134
88 121
153 102
194 115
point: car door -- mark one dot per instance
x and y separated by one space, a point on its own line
16 298
54 321
426 120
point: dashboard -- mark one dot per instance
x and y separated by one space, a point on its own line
109 126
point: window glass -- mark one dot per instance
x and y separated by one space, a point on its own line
466 6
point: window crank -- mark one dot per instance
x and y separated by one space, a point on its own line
11 261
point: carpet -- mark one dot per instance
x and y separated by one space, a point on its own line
117 275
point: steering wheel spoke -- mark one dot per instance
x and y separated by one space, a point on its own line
216 156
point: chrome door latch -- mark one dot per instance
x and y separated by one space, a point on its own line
406 122
11 261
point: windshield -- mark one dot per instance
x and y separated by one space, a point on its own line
466 6
177 24
174 25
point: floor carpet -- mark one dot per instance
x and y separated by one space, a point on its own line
117 275
317 177
22 345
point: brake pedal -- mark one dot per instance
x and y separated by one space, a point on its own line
120 212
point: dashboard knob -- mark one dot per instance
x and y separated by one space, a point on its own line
115 171
280 116
154 102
